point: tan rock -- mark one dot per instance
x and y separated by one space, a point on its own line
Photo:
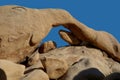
87 69
55 67
21 30
80 59
114 66
25 29
71 54
11 70
33 59
38 65
47 46
36 75
69 37
101 40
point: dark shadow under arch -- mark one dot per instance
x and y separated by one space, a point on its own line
89 74
2 75
113 76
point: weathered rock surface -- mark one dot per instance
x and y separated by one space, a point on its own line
66 63
35 66
33 59
10 70
27 27
69 37
21 31
79 59
84 63
47 46
55 67
36 75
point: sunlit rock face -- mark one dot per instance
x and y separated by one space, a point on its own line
90 55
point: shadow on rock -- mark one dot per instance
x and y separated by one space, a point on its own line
2 75
113 76
89 74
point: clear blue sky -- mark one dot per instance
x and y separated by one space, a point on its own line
97 14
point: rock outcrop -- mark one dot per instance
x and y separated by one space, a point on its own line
47 46
36 75
27 27
10 70
66 63
92 55
70 38
78 59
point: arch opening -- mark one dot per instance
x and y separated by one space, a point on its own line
53 35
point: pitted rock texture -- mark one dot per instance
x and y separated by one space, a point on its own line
27 27
84 63
65 63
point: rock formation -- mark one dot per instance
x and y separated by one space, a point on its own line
47 46
70 38
11 70
27 27
94 55
65 63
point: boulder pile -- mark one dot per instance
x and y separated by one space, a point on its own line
91 54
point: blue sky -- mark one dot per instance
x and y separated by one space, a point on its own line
97 14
